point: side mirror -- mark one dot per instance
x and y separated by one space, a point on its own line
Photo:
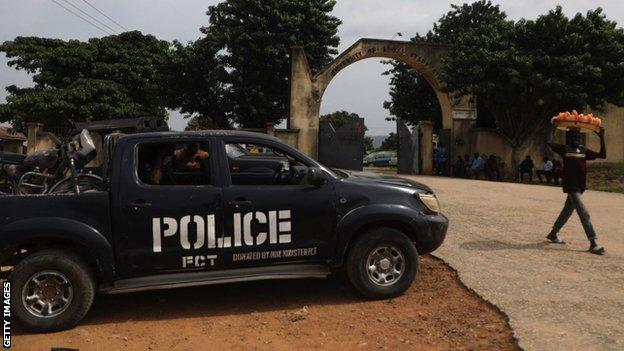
316 176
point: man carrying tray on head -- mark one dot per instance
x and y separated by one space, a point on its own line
574 157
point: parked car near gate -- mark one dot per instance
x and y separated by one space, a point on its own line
379 159
197 208
394 161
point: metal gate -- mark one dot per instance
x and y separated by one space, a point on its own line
342 147
408 150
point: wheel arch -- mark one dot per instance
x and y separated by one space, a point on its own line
22 237
362 219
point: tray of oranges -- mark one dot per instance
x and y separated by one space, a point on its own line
573 120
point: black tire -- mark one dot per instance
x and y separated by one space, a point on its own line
362 249
58 261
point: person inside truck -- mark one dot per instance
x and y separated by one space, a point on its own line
179 164
189 157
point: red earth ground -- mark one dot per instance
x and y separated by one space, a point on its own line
437 313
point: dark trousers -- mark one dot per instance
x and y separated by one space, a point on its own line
493 173
522 172
548 175
573 202
440 168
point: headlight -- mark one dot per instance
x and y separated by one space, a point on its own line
430 200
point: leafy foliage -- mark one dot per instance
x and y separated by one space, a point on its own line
103 78
339 118
525 72
255 38
200 123
412 98
390 143
368 143
462 18
195 83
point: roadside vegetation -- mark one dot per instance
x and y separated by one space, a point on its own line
606 178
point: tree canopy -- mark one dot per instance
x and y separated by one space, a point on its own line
390 143
200 123
195 83
339 118
368 143
237 73
254 39
411 97
104 78
526 71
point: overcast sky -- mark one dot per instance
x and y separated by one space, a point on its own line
359 88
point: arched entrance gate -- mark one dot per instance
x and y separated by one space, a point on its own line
306 90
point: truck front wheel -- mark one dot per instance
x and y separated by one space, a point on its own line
382 263
51 290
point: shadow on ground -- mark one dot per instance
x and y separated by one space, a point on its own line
218 300
495 245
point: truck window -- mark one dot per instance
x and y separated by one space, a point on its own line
174 164
257 164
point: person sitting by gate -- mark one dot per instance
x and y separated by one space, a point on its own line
492 170
526 167
557 172
459 168
546 170
469 160
477 166
440 160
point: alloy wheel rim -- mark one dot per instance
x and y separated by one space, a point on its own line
47 294
385 265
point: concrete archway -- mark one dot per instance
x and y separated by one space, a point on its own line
306 90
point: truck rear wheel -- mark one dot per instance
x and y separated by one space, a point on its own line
51 290
382 263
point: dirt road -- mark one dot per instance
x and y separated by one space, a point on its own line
438 313
557 297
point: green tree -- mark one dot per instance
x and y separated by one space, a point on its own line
200 123
255 38
104 78
462 18
368 144
527 71
339 118
390 143
411 96
195 83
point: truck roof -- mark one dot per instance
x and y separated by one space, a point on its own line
201 133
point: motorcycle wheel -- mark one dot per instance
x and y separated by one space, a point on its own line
86 183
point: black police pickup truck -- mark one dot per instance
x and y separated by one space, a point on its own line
197 208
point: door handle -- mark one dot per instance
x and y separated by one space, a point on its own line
139 204
240 203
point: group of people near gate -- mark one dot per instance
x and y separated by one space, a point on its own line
549 171
481 166
477 166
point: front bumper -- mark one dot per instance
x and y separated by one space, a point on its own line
431 232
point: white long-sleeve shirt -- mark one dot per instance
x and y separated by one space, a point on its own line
547 166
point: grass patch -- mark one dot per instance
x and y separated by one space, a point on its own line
606 178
